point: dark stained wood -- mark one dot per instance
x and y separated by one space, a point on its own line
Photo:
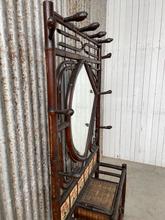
100 194
67 167
64 33
79 16
103 199
90 54
68 112
90 46
98 35
116 167
88 214
109 173
66 193
52 117
70 47
91 78
106 127
90 27
71 27
109 55
108 40
99 67
66 54
106 92
120 194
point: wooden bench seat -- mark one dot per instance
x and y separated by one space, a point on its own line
102 199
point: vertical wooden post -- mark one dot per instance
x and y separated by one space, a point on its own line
99 54
52 106
124 166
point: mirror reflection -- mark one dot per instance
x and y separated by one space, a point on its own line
82 104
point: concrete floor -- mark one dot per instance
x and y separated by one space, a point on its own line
145 198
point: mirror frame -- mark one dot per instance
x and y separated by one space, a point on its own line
74 154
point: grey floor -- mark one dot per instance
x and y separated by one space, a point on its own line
145 198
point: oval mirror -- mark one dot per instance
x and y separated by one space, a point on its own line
80 98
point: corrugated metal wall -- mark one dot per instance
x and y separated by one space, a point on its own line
136 75
24 181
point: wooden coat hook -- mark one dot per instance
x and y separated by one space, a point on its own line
80 16
68 112
99 34
106 127
90 27
105 93
108 55
108 40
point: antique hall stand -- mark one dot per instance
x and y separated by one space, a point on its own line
82 187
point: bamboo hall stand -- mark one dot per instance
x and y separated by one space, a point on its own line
82 187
